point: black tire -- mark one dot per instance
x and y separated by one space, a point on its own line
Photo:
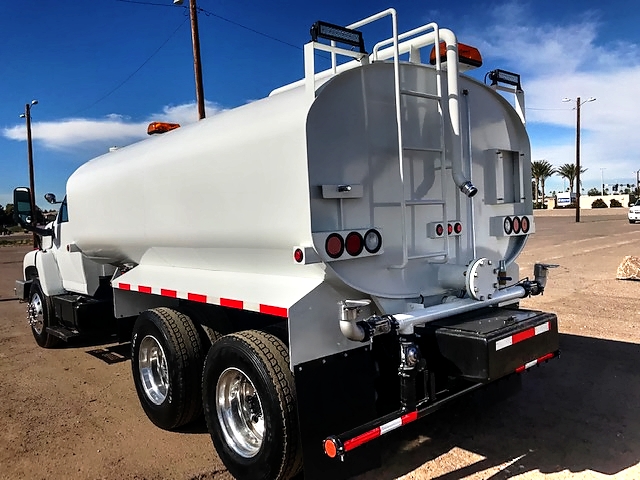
40 316
170 389
258 363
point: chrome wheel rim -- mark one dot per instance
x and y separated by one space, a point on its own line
239 410
154 371
35 314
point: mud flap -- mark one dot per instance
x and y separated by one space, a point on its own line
335 394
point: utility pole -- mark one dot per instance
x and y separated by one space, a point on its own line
578 160
32 184
578 105
197 65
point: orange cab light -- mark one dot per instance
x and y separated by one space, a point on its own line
467 55
161 127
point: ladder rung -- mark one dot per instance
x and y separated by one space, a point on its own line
409 203
411 93
428 255
424 202
423 149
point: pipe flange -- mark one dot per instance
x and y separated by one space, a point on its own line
480 279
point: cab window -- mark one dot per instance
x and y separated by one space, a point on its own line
63 214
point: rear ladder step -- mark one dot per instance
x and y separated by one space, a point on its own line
63 333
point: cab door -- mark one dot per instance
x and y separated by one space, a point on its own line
78 273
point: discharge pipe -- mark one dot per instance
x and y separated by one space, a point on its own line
453 103
404 323
462 182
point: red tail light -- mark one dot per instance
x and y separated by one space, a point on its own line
449 229
457 227
354 244
516 225
439 230
334 245
524 224
298 255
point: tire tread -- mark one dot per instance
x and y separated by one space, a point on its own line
275 356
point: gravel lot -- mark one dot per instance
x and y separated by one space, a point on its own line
66 413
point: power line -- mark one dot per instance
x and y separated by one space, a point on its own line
208 13
137 69
220 17
148 3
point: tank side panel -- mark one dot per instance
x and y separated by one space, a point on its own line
228 193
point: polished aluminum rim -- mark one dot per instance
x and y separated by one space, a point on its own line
240 412
35 314
154 372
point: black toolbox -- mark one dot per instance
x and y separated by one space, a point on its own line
485 345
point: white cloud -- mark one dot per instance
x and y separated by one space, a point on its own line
571 60
111 130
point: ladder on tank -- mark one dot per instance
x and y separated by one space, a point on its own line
401 93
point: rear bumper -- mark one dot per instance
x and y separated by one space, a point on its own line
477 349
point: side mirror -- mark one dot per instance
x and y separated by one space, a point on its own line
51 198
22 207
23 214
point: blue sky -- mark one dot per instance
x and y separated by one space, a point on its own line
101 70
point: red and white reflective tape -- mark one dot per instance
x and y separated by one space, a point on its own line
521 336
535 362
197 297
378 431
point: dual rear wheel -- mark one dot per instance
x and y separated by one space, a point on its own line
243 385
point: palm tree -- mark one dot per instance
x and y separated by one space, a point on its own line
568 171
540 171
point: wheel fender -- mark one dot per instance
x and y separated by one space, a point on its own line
29 264
48 273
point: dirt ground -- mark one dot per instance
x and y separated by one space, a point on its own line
73 412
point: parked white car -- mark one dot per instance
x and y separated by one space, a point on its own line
634 212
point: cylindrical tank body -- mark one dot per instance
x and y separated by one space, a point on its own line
229 193
237 191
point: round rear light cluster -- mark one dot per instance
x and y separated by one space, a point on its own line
516 225
454 228
354 243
